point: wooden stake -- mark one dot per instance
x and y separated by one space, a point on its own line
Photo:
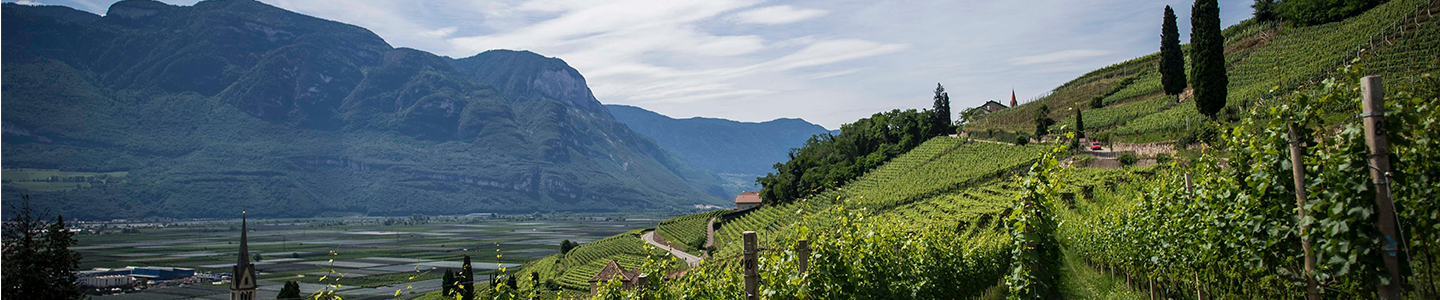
752 275
803 248
1189 187
1297 163
1373 110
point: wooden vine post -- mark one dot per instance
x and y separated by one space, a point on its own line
1297 163
752 274
803 249
1373 111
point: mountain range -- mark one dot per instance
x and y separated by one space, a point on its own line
234 104
738 152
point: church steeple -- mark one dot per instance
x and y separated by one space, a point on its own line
1012 98
242 279
244 246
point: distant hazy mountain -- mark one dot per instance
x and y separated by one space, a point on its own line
229 103
738 151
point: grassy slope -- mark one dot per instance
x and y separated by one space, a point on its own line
1262 57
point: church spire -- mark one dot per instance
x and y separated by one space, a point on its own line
1012 97
244 246
242 277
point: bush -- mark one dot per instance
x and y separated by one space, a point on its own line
1163 158
1021 139
1128 159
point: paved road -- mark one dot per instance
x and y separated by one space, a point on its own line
691 260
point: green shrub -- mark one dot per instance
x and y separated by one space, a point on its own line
1129 159
1163 158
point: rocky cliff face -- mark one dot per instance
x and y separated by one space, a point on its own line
225 103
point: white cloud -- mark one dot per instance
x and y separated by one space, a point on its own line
1058 56
779 14
822 75
27 2
442 32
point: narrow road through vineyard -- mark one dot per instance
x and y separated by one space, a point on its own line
649 237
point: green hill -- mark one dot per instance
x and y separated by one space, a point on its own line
231 104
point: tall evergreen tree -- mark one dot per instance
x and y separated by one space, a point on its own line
1043 121
38 262
1207 62
447 284
1172 58
1079 125
466 286
942 110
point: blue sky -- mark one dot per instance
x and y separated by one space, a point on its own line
829 62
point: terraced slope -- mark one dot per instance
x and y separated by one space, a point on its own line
1396 39
688 232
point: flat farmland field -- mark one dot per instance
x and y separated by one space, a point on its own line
374 258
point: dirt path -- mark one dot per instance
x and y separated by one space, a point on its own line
691 260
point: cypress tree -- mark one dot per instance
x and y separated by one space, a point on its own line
1207 61
1079 125
447 283
467 281
1172 58
942 110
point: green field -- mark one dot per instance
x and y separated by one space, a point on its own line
52 180
371 255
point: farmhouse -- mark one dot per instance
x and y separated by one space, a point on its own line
992 106
748 200
613 271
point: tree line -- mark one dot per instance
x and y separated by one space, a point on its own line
830 160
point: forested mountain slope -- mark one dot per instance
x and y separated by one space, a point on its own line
738 151
236 103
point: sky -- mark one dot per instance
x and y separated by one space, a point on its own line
829 62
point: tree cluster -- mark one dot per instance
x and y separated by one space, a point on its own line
829 160
460 284
291 290
1313 12
567 245
38 262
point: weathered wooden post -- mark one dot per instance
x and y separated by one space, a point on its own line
752 275
803 248
1372 108
1189 187
1297 163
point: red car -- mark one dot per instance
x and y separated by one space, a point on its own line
1096 146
